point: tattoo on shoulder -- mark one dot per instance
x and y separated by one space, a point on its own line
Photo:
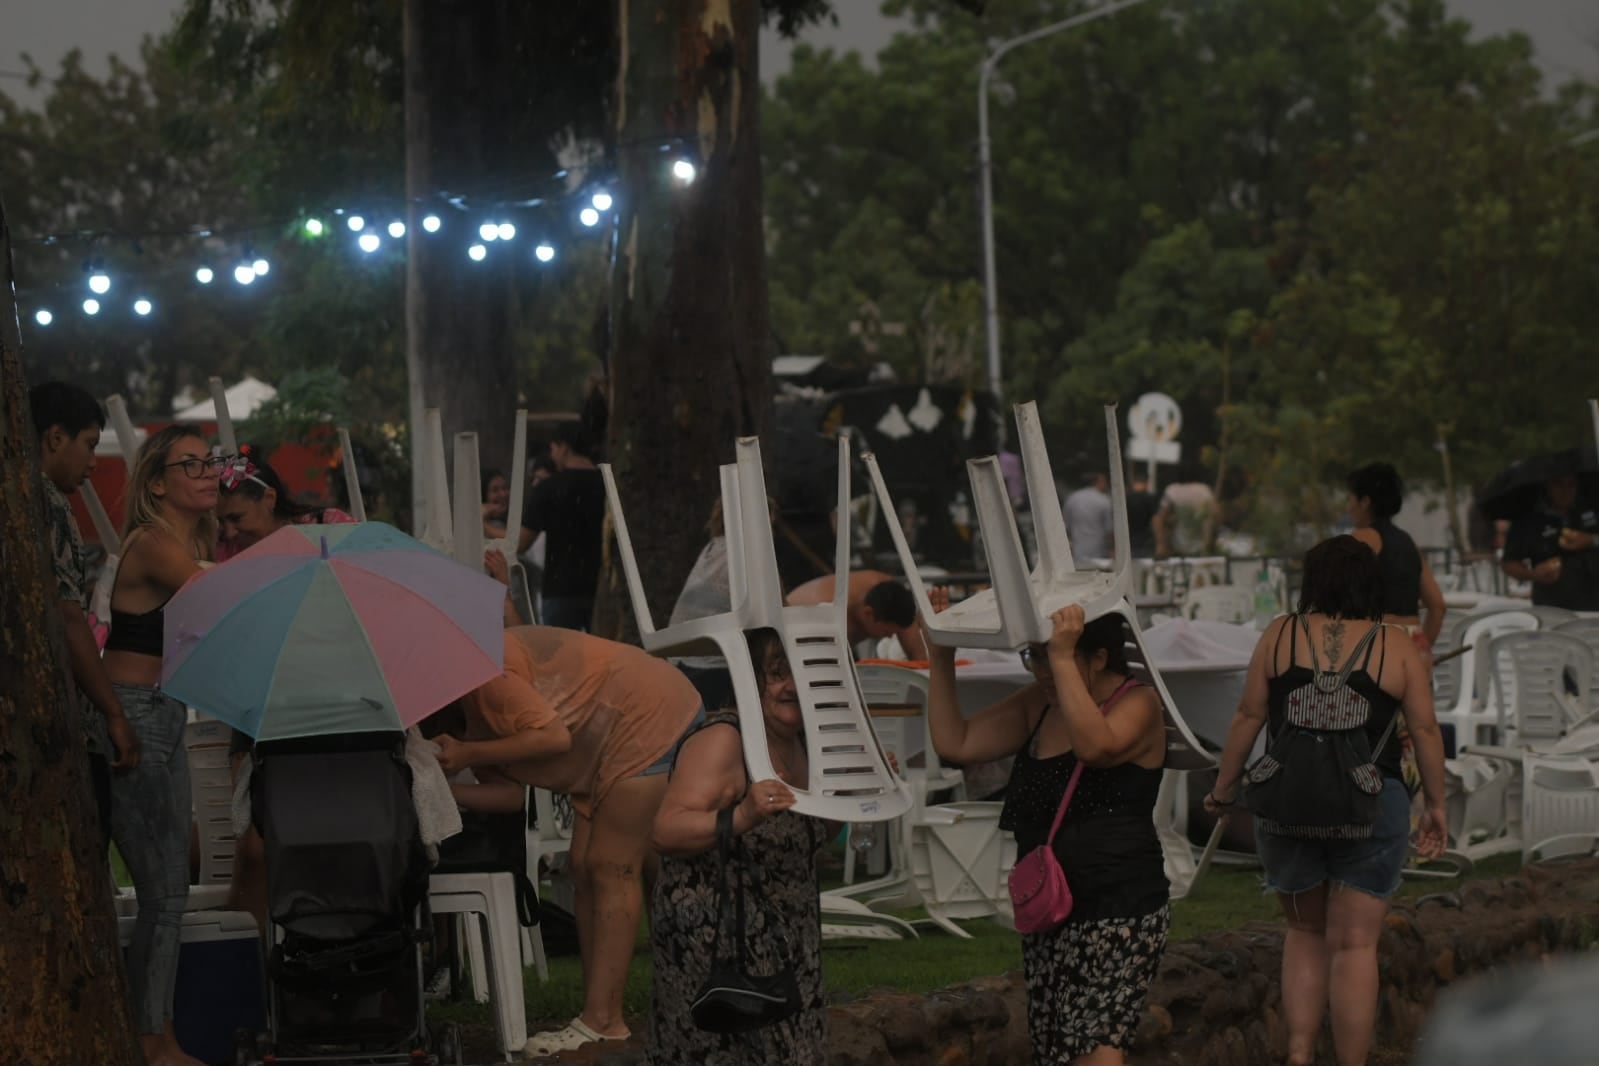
1333 642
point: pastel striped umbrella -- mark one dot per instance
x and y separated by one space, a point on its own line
332 629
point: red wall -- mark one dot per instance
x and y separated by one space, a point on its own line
304 469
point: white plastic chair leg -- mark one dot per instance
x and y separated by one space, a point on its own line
471 936
533 952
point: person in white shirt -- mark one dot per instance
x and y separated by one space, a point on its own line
1088 518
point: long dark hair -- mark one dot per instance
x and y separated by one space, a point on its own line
1342 580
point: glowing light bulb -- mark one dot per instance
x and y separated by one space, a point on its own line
356 223
243 274
506 231
545 252
683 171
589 217
396 230
43 317
204 275
261 267
99 283
489 231
602 201
142 307
313 227
369 242
477 252
91 306
432 223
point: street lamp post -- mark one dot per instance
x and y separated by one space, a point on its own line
986 165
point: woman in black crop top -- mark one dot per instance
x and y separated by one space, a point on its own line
168 538
1408 585
1334 892
1087 980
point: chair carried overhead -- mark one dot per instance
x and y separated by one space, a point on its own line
1015 611
849 777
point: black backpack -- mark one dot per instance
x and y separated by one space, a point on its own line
1318 779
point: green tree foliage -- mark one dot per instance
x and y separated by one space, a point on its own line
1326 226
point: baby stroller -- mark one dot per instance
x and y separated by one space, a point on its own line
347 882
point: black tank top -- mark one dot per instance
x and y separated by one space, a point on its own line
1361 681
1107 845
1400 564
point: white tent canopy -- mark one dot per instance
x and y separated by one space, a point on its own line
244 399
111 447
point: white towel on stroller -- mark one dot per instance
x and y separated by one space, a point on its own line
437 816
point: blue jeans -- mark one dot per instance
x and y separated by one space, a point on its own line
1372 866
150 816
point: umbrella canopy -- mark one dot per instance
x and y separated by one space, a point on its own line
1518 490
332 629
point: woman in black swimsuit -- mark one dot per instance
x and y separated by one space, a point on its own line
167 539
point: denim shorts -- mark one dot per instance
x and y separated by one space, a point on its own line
664 764
1372 866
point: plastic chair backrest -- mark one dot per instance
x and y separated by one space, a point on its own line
1541 663
849 777
1587 631
1477 664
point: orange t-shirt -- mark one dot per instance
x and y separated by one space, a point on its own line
624 708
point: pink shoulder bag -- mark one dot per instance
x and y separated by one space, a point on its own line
1039 894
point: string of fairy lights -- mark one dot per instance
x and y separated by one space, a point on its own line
484 232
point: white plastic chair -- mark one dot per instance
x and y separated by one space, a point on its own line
1462 695
211 794
849 778
1529 672
1016 610
1478 792
896 685
1560 796
490 898
847 919
552 836
1567 846
1220 603
960 860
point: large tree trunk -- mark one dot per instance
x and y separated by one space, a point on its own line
62 1000
690 366
458 336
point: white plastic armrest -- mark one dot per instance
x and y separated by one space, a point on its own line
942 815
1489 751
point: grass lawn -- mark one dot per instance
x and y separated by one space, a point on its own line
1225 898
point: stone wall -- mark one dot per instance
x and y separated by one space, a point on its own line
1216 1002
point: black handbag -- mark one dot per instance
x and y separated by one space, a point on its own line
732 1000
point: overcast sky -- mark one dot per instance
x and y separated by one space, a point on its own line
1565 32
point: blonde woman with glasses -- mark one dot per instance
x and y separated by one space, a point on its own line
167 539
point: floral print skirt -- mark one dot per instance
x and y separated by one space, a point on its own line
1086 983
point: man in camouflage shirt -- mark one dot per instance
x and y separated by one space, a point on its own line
69 422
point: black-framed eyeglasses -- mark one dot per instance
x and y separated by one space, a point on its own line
1035 655
199 468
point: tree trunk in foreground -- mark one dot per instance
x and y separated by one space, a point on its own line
458 337
690 367
62 1000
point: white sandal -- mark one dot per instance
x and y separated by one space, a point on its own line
573 1036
